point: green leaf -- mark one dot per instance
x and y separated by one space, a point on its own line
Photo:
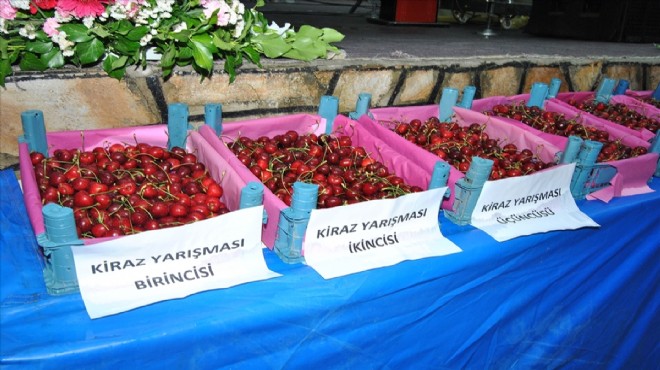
4 45
5 70
220 43
117 74
90 52
182 36
185 53
272 45
39 47
253 55
100 31
76 32
202 56
115 66
167 60
125 46
230 68
31 62
137 33
53 59
310 32
107 63
113 62
331 35
306 49
206 40
123 27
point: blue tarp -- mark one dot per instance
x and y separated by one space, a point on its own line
584 299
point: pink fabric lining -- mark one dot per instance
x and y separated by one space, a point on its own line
634 104
633 173
303 124
219 169
386 118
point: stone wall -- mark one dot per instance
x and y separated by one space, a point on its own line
75 99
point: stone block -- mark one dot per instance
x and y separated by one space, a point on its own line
584 77
457 80
500 81
272 89
544 75
379 83
417 87
72 104
631 72
652 77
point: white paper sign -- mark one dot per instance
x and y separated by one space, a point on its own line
536 203
363 236
152 266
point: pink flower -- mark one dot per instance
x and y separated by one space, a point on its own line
83 8
6 10
211 6
50 27
132 6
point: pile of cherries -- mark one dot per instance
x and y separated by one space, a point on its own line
125 189
618 113
457 145
557 124
345 174
650 100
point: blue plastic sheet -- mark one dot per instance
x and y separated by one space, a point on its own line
581 299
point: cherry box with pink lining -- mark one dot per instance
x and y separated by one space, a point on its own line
385 119
307 124
59 271
642 96
646 110
632 175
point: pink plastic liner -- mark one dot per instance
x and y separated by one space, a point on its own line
639 94
633 173
386 118
304 124
632 103
219 169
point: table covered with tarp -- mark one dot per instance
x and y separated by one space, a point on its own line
566 299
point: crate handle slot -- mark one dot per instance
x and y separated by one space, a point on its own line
468 97
177 125
329 109
34 130
447 103
213 117
538 94
553 89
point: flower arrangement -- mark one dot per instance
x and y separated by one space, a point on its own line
38 35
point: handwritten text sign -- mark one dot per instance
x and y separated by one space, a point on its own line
152 266
363 236
531 204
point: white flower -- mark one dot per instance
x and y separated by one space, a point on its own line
20 4
65 45
88 22
61 18
238 7
240 25
180 27
3 26
28 31
279 30
145 39
233 18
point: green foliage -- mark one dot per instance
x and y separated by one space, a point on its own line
187 38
